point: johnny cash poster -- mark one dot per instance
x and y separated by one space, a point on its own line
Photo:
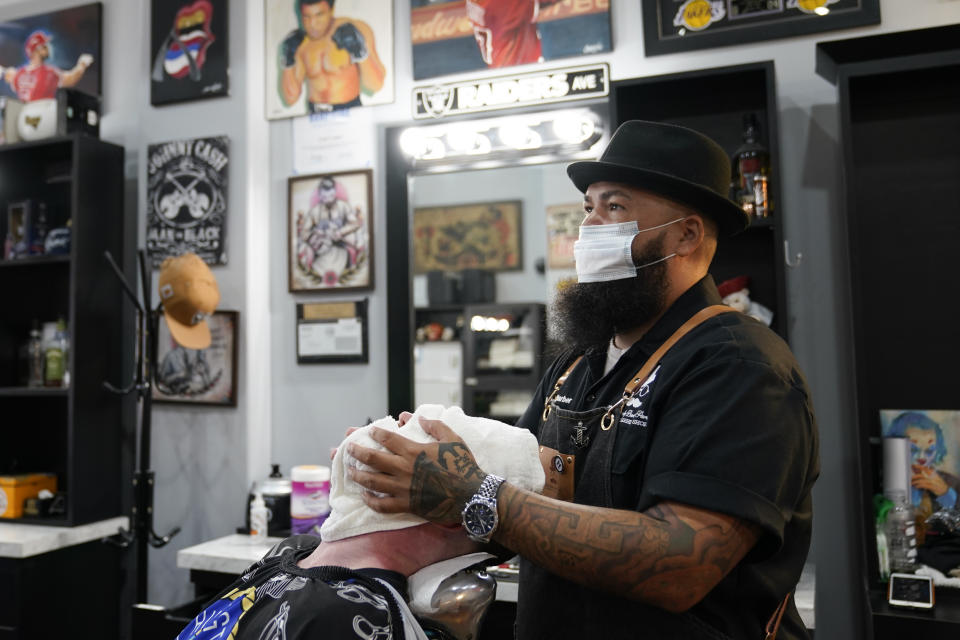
188 50
187 199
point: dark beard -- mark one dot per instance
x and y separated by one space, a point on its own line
587 315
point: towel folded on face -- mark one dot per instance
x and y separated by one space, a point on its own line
499 448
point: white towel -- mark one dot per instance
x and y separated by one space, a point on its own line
499 448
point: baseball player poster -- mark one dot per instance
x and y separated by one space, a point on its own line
188 50
41 53
187 199
327 55
469 35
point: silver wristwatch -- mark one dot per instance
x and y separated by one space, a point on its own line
480 517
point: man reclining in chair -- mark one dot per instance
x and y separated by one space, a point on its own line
354 583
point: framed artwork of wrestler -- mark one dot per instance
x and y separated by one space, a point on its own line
330 231
189 50
484 236
43 52
199 376
327 55
468 35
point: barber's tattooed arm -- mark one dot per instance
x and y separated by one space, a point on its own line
433 480
441 485
670 556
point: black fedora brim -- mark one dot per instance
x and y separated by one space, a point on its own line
730 218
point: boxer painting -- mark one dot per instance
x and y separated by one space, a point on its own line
325 55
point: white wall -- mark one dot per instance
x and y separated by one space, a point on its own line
293 414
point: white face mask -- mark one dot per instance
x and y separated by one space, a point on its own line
603 251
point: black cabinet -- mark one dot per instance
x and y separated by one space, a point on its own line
899 98
715 103
502 358
74 432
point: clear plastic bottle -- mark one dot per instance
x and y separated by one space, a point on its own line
258 518
901 537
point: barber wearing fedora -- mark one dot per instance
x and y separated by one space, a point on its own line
678 435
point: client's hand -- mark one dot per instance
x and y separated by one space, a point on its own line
431 479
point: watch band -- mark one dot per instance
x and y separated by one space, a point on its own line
489 488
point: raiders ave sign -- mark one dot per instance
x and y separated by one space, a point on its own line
506 92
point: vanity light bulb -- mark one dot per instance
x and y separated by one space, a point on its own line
517 135
477 323
503 324
573 128
821 11
490 324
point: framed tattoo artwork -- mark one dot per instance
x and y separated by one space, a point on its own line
189 50
330 231
474 35
563 229
44 52
670 26
324 56
199 376
483 236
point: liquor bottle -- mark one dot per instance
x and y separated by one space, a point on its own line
35 357
55 366
752 164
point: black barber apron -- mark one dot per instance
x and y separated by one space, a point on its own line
554 608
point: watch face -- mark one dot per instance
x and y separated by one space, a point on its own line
479 519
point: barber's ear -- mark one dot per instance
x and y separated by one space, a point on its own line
692 231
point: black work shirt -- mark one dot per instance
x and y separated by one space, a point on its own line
725 424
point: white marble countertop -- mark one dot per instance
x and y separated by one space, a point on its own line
234 553
229 554
25 540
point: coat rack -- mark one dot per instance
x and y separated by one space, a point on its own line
148 320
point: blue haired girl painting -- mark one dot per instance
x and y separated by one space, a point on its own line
935 456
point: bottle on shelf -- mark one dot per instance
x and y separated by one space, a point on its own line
35 357
901 536
752 165
258 517
39 231
56 369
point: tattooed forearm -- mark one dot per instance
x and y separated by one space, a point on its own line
670 556
440 487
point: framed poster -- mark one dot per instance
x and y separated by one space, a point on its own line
467 236
682 25
199 376
187 199
470 35
189 50
330 231
332 332
44 52
323 55
563 229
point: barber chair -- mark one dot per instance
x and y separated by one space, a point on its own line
458 605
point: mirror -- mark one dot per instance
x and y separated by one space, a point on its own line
467 246
481 283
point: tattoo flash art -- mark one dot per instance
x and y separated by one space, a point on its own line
189 48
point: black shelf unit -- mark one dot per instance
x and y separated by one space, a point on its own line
74 432
899 105
714 101
482 385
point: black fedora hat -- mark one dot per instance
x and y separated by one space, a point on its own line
669 160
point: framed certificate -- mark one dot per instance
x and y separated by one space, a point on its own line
332 332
